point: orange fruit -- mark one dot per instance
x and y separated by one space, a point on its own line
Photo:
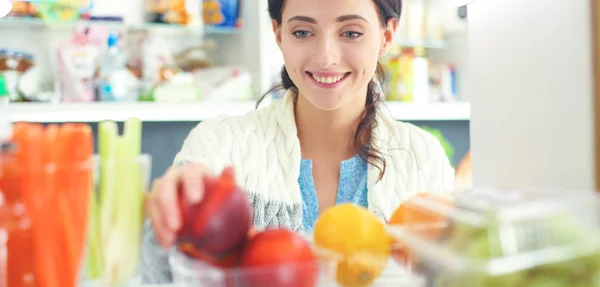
420 221
359 238
423 221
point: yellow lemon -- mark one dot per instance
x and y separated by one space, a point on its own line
361 240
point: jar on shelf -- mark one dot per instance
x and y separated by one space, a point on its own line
13 64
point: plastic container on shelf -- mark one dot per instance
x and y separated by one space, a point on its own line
496 237
44 180
124 181
187 271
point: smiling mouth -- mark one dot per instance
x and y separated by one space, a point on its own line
329 79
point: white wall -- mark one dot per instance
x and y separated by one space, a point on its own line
531 83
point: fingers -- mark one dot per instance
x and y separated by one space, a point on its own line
192 179
164 234
167 196
162 205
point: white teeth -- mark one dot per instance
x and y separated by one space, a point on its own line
328 80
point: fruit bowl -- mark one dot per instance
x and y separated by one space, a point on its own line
217 246
188 271
494 237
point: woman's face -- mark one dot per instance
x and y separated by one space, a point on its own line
331 47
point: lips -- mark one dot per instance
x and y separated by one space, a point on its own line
328 80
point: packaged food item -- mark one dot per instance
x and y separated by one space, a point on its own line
224 83
12 66
500 237
224 13
60 11
33 88
400 68
179 87
23 9
77 63
212 12
182 12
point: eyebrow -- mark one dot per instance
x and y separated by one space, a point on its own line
339 19
303 19
351 17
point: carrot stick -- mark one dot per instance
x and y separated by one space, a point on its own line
47 230
21 246
75 170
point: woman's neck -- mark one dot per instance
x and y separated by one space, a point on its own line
326 133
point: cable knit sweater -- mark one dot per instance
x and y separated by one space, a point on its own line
264 149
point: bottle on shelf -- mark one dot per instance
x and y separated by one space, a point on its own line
115 80
420 72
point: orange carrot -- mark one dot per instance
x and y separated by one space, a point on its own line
21 246
46 227
75 179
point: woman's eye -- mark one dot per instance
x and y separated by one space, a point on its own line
301 34
351 34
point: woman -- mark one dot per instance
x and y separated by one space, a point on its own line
327 141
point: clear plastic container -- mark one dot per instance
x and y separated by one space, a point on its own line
495 237
187 271
124 182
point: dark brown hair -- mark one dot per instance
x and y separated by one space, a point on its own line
363 143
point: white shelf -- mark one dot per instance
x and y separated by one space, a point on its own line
199 111
145 111
443 111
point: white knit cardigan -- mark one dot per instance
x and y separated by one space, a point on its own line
264 149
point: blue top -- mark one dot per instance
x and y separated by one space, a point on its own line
352 187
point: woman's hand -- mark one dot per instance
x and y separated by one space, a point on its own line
162 204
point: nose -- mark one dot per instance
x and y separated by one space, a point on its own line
327 53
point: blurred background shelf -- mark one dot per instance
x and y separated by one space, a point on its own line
199 111
438 29
424 43
37 23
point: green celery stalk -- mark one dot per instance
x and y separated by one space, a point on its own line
95 260
122 249
100 211
107 149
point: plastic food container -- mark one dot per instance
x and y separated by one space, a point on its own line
187 271
493 237
124 181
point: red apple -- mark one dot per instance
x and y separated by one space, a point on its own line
219 224
278 257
